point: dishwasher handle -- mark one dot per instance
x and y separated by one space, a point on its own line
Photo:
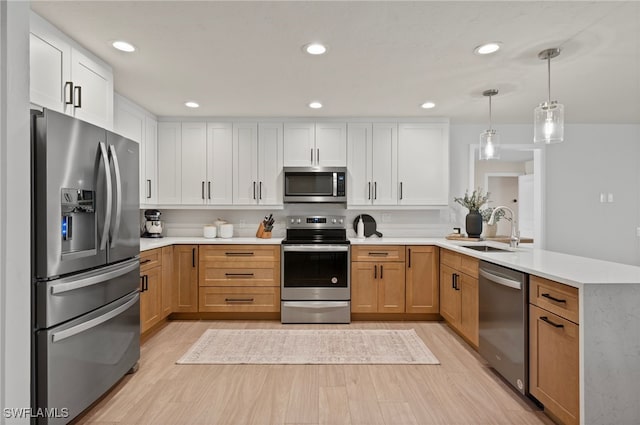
515 284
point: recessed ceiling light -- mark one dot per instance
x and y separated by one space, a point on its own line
487 48
123 46
191 104
428 105
315 105
315 48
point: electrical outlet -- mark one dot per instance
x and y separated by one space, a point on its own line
603 198
243 224
386 218
610 197
638 232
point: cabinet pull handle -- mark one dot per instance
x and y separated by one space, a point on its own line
409 265
209 189
400 190
378 254
238 274
375 190
369 190
381 270
148 188
145 261
77 97
193 257
239 300
454 281
318 156
552 298
375 271
260 191
202 190
311 156
254 190
68 93
238 254
555 325
146 282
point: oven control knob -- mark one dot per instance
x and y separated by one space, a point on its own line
334 221
341 221
293 220
298 221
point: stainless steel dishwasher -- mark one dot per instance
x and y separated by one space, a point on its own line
503 336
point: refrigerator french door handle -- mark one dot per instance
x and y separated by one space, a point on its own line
75 330
116 167
109 202
71 284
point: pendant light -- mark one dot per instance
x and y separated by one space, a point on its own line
489 139
548 117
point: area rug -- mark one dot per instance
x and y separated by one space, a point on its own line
296 346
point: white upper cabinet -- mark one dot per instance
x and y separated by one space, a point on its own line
194 163
219 190
423 164
257 160
372 164
315 144
66 78
169 163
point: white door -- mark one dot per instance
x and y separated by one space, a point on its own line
359 164
49 69
423 164
270 158
245 163
331 145
150 161
219 175
169 163
92 91
299 144
194 162
525 206
385 164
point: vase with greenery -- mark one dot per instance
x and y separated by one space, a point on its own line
473 202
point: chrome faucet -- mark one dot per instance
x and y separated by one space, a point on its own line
514 239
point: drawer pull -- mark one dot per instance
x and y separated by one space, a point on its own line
238 274
238 254
555 325
239 300
549 296
380 254
148 260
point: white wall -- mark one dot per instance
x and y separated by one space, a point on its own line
15 205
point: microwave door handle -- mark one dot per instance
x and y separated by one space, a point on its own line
116 167
107 174
335 184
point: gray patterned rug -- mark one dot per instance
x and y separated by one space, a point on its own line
296 346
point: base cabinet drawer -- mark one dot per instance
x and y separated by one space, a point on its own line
239 299
239 276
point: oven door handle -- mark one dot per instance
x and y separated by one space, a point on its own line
315 248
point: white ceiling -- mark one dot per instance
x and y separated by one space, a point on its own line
385 58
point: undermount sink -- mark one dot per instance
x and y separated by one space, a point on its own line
485 248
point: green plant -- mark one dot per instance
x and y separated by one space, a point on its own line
486 214
475 201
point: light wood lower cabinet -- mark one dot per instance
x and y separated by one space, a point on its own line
167 280
422 289
377 279
155 287
459 293
185 275
239 278
554 348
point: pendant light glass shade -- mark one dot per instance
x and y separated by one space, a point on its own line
489 139
548 117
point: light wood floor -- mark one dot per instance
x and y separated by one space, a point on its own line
462 390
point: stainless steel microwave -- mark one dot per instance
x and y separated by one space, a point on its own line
315 184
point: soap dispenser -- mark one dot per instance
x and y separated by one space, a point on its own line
360 228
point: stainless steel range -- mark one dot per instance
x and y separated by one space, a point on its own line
315 278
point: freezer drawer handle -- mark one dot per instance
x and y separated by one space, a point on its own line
68 333
500 280
552 298
92 280
555 325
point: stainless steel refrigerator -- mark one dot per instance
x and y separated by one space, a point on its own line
85 263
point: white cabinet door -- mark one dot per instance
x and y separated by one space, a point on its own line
194 162
219 176
359 164
423 164
270 157
169 163
331 145
92 90
299 144
129 121
245 163
385 164
49 66
150 176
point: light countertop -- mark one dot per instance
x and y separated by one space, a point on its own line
569 269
